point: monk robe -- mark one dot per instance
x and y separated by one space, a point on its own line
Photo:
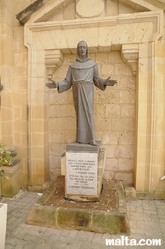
82 76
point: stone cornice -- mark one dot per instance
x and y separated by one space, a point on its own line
40 8
130 55
25 15
151 5
155 17
53 60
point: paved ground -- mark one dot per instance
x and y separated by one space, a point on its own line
147 221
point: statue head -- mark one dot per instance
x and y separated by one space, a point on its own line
82 51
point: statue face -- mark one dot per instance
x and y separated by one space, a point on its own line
82 49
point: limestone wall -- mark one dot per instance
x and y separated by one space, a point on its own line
114 117
14 78
129 117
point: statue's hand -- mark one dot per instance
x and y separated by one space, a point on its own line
109 82
54 84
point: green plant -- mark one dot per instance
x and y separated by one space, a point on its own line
5 158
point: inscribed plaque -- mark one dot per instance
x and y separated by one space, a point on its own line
81 173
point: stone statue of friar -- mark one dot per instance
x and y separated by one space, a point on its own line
82 76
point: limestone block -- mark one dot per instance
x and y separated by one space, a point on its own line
69 12
70 97
6 129
124 9
130 191
111 164
69 137
145 50
38 125
54 111
98 135
67 111
56 98
159 48
114 57
123 124
58 124
108 175
100 58
110 138
93 56
107 70
20 125
145 65
19 43
68 58
58 149
20 99
6 101
99 111
126 82
127 96
40 73
127 138
13 184
126 178
102 124
127 110
55 167
122 69
38 112
6 114
110 150
56 137
55 162
110 97
7 51
126 164
112 110
124 151
112 8
71 124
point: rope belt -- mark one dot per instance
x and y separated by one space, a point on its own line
82 82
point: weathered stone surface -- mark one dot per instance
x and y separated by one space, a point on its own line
74 218
109 223
126 178
105 216
13 183
40 215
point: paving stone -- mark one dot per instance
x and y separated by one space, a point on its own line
73 233
12 241
147 220
9 246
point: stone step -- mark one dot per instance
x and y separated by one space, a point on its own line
108 215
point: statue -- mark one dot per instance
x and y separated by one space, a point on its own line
82 76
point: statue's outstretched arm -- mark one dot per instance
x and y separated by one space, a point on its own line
109 82
52 85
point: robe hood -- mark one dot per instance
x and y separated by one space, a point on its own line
82 63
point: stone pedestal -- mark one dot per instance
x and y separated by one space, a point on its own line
11 184
83 172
